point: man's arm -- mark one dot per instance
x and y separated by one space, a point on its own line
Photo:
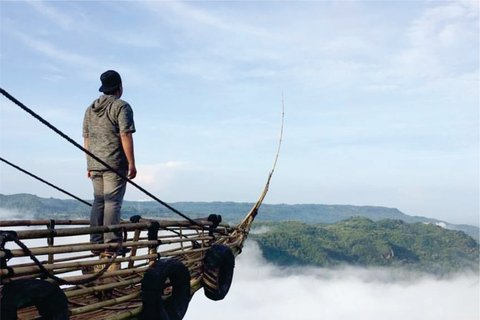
85 145
127 145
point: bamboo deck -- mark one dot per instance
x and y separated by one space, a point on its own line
63 249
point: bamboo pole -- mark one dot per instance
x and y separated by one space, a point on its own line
106 303
26 223
94 289
194 260
87 246
177 253
29 264
64 232
126 315
186 237
19 271
135 239
195 285
51 239
79 248
108 274
181 240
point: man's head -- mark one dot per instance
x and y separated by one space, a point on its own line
111 82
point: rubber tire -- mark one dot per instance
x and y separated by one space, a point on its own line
153 285
50 300
219 263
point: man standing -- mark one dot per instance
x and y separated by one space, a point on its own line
107 131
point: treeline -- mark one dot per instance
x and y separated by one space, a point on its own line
33 207
320 235
363 242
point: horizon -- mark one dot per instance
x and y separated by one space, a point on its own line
381 99
250 203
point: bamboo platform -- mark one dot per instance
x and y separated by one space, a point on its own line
63 250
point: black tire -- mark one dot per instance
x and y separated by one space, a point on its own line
153 286
51 302
219 263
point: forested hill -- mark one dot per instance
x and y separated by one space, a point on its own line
31 206
308 234
359 241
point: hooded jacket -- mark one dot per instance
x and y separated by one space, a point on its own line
105 119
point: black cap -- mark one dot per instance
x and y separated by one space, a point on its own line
110 81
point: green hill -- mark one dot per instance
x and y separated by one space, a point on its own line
307 234
34 207
363 242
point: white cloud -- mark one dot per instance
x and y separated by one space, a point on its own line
260 230
193 16
435 38
380 95
54 52
56 16
158 177
10 214
442 224
263 291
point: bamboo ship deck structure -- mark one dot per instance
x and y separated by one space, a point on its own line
109 286
50 270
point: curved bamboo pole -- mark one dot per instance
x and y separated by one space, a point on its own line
247 221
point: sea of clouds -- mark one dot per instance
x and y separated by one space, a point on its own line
261 290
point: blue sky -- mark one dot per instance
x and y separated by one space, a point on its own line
381 99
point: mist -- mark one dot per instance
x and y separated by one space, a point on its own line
261 290
9 214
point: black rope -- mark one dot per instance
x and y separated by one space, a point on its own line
36 116
46 182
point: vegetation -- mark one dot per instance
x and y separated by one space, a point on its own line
363 242
32 207
322 235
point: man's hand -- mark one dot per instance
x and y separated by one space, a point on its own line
127 144
132 171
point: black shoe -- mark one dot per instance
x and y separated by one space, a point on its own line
96 251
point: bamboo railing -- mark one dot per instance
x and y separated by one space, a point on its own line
50 242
